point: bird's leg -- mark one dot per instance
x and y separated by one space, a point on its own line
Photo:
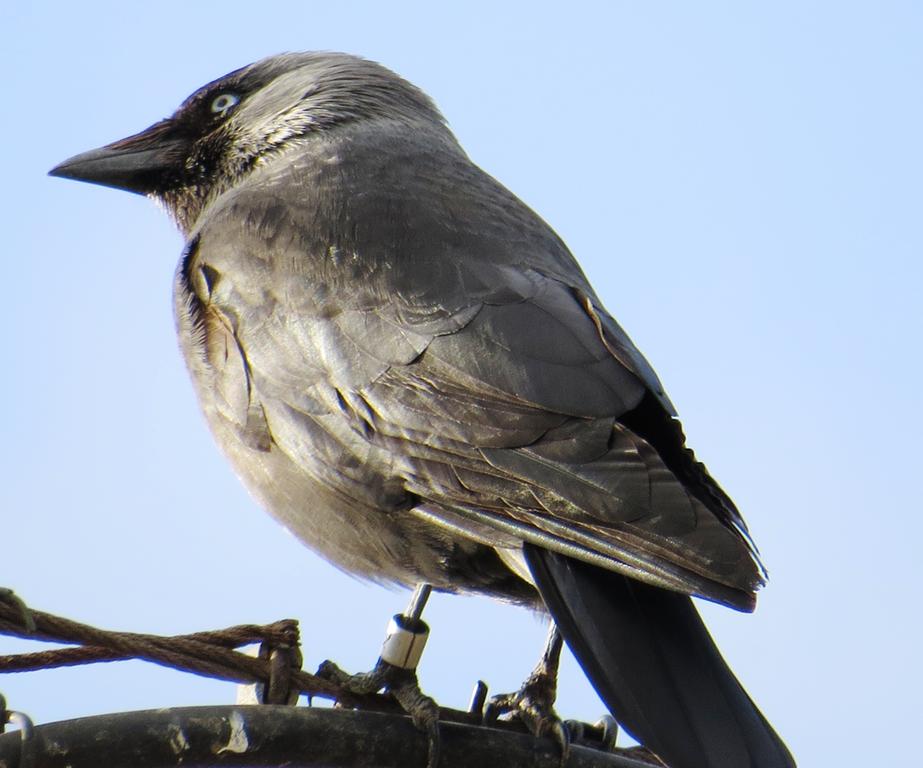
533 703
395 670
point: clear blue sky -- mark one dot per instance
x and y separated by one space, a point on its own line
743 183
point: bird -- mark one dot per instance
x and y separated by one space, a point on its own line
407 368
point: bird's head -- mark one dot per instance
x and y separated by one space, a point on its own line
244 119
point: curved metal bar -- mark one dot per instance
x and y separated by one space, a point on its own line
268 735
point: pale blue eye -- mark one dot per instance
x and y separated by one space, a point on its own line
224 103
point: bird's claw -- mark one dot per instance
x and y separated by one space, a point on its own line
424 712
603 734
403 685
533 705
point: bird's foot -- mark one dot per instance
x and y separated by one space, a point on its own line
533 705
396 671
402 684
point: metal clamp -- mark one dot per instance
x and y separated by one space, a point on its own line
285 659
26 731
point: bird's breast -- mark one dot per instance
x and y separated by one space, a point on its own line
302 447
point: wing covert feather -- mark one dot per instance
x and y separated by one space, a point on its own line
483 374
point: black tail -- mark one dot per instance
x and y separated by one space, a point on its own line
651 660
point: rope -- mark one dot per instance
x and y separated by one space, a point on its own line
210 653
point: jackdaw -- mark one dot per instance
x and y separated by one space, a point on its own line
409 370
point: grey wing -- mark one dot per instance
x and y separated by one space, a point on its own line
478 387
525 421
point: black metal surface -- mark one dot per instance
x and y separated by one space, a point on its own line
267 735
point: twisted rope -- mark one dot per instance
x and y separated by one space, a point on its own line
210 653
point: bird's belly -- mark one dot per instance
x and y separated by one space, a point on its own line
383 543
354 535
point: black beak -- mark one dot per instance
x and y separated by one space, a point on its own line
144 163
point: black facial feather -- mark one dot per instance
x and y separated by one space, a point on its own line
334 90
